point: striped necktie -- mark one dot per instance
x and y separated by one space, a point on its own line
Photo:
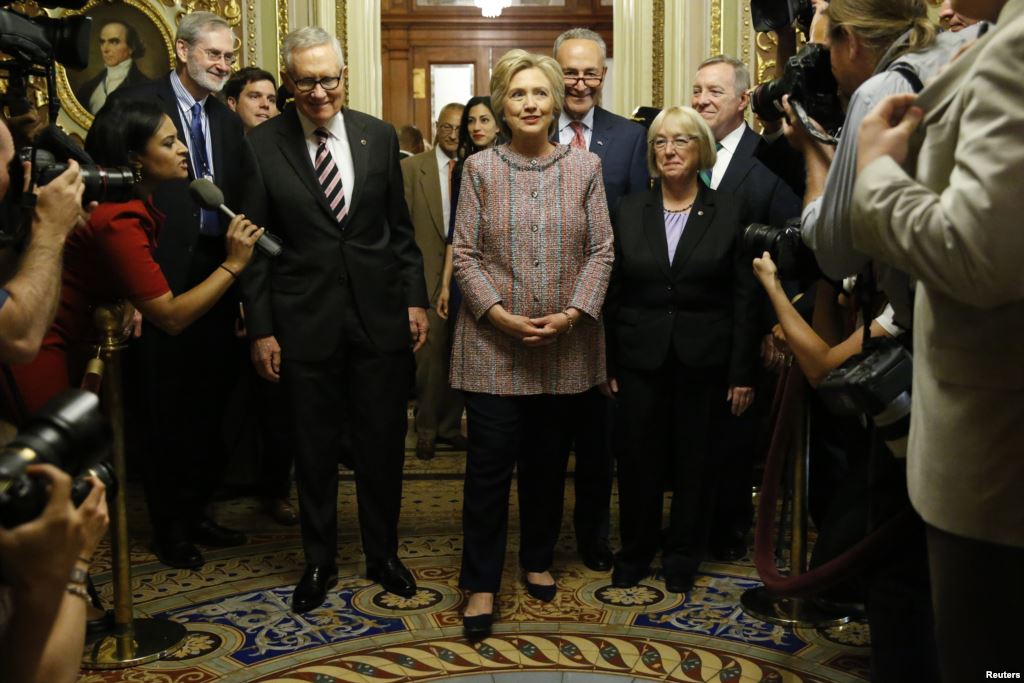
329 176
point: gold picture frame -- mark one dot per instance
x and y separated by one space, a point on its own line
151 28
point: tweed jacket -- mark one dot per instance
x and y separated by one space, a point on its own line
533 235
954 223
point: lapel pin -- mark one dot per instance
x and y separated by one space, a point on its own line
700 213
363 141
600 142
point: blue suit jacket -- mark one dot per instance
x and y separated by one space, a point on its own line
622 146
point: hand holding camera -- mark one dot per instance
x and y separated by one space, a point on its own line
59 205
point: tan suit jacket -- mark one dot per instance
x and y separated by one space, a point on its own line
956 223
423 196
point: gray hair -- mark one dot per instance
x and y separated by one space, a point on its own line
581 34
307 37
195 24
741 74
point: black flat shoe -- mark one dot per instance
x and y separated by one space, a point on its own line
178 553
100 627
393 576
311 592
208 532
478 626
540 591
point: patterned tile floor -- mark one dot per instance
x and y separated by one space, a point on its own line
240 628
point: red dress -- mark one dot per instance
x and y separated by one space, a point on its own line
108 259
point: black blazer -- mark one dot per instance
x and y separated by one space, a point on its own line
622 146
232 166
704 307
763 196
297 296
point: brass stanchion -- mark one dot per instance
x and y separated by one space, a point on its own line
760 602
134 641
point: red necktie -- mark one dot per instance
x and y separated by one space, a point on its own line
578 141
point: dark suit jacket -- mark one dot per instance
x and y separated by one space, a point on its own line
134 77
297 297
703 307
232 166
622 147
763 196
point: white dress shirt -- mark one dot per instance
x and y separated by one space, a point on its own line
337 144
114 77
729 144
446 193
566 133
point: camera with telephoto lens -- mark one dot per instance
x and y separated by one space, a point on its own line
772 15
809 82
69 433
792 258
875 383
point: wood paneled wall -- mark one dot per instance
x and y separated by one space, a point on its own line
414 37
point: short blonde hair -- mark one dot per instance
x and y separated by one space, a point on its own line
692 123
511 63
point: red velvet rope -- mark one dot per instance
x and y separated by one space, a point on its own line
789 396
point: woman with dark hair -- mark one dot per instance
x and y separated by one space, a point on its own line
111 257
478 130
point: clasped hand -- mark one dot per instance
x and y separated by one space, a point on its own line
533 332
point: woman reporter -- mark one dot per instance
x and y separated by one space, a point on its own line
682 321
478 131
532 255
111 257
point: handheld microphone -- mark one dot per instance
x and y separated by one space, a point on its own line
209 196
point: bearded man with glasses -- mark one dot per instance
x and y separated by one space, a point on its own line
337 316
186 379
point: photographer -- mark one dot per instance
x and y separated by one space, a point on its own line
111 257
952 220
43 600
30 281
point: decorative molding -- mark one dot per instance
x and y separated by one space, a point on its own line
250 32
745 36
766 52
658 55
282 29
716 27
341 31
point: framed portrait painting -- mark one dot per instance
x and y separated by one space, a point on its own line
130 44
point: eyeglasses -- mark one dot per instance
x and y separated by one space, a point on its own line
309 84
589 80
447 128
676 142
216 55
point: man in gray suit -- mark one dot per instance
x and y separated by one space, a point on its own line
621 145
945 207
427 182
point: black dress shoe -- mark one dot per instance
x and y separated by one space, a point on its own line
679 581
627 576
540 591
478 626
312 589
178 553
729 547
393 576
208 532
457 442
424 450
98 628
597 556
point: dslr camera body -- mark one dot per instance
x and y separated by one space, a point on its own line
69 433
793 259
811 87
876 383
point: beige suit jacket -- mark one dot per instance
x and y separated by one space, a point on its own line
423 196
955 222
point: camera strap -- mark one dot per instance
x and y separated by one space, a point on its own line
908 73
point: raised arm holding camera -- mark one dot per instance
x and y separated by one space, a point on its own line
30 280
